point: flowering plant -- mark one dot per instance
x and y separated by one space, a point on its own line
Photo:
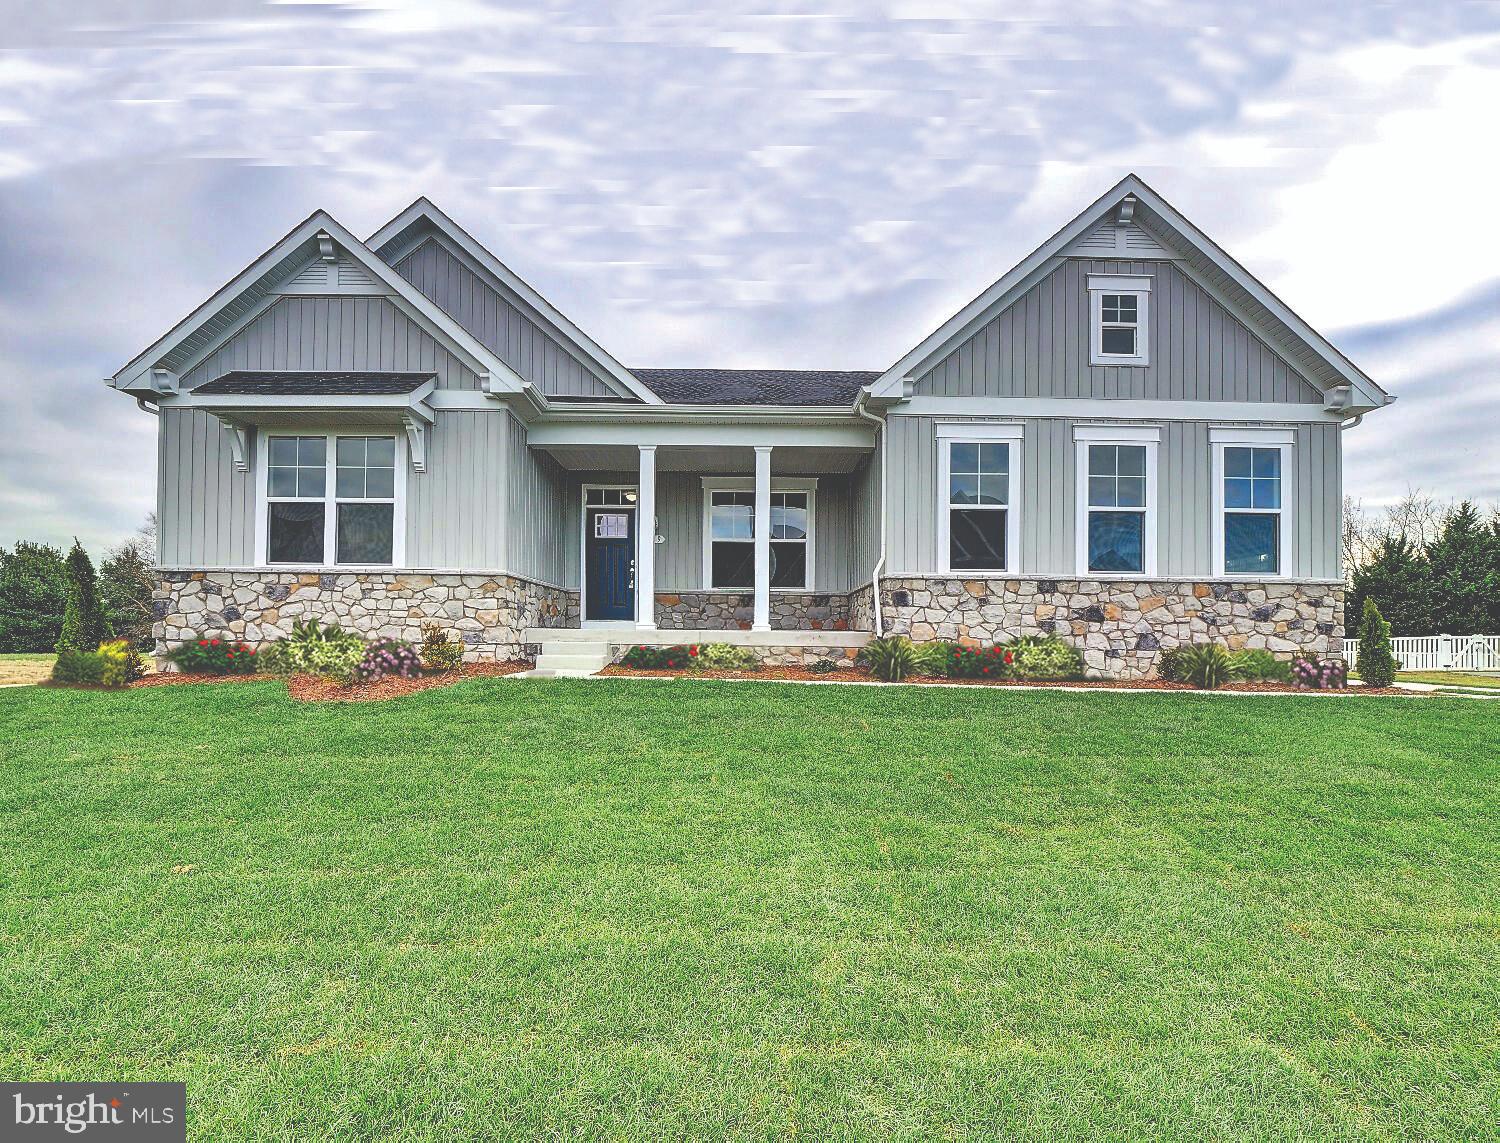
210 655
385 657
992 662
1310 675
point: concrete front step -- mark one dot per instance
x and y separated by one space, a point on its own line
551 660
573 637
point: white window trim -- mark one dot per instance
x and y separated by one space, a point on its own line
1140 287
1085 435
1286 441
583 546
712 484
958 432
331 498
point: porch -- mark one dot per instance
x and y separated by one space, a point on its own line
717 531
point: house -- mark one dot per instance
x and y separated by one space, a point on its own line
1126 440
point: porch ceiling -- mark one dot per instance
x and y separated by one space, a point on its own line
710 460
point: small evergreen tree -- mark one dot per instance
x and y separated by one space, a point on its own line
33 595
84 624
1376 664
1398 577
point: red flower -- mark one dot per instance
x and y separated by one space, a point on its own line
203 642
215 643
1010 656
692 650
671 662
986 670
249 650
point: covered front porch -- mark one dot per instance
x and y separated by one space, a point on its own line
716 531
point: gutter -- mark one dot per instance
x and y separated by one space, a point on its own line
880 428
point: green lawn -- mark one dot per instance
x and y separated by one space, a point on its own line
643 908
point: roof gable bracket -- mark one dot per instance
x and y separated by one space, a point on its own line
326 250
416 439
238 443
1126 211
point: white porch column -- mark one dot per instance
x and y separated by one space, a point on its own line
762 620
645 541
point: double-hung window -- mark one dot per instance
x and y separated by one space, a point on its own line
1119 329
1250 469
978 480
331 499
1117 500
729 547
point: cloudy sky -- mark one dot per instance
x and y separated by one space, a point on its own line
796 186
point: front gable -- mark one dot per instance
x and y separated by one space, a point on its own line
501 323
317 300
498 307
1254 340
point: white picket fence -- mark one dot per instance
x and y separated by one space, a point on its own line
1439 652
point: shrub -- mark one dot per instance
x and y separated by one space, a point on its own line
891 658
661 658
1044 657
84 668
823 667
440 653
935 658
994 662
311 649
726 657
210 655
1205 665
120 663
33 596
1376 664
1260 664
386 657
1308 674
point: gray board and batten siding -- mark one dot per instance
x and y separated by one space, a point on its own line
339 333
501 324
1039 347
1049 489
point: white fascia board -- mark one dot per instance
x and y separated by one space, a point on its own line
1092 408
406 296
980 431
416 403
635 434
138 368
423 208
1375 396
1251 436
1045 257
930 346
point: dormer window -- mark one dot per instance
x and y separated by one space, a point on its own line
1119 330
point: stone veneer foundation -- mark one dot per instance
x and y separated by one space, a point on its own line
487 612
1122 626
727 611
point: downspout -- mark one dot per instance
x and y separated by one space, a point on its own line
880 426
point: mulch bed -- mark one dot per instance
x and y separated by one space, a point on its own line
312 688
802 674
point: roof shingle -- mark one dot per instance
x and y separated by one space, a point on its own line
286 384
756 386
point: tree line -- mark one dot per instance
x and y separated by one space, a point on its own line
1432 569
49 599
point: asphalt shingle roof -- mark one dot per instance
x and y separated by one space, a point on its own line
315 384
756 386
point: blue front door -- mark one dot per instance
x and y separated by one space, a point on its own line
609 539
